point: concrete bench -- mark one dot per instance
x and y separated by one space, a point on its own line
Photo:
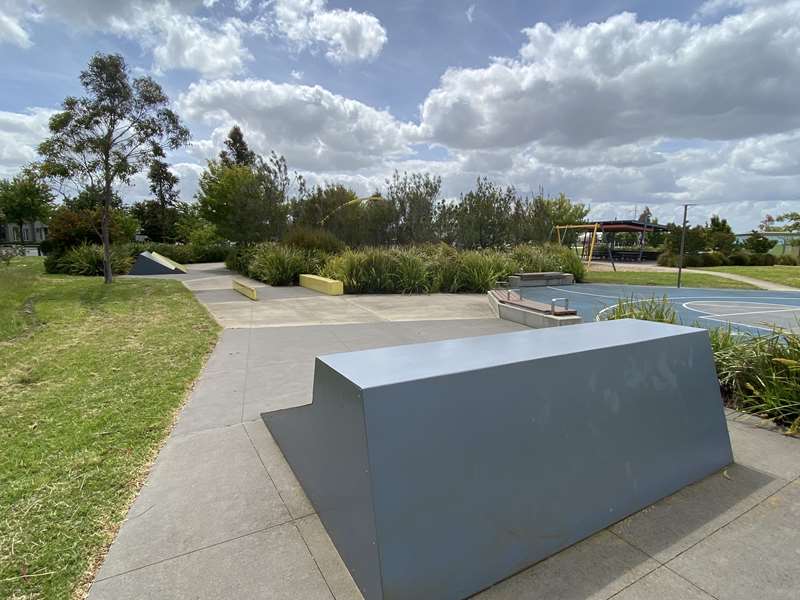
546 278
332 287
439 469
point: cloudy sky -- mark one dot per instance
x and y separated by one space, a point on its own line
617 104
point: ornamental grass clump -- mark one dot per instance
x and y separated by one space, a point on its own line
760 374
660 310
278 265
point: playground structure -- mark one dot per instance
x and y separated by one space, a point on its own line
609 229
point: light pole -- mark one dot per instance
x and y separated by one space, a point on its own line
683 242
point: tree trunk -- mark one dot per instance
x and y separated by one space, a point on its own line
105 234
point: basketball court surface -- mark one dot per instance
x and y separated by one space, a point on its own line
744 311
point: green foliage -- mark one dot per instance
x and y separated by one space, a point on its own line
534 221
739 259
247 204
761 374
758 243
311 238
111 133
276 264
69 228
483 217
719 236
792 220
786 259
25 199
181 253
762 260
706 259
237 152
648 309
87 259
413 197
240 258
366 271
695 240
549 257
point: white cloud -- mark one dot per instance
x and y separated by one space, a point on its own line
177 38
11 24
184 42
470 13
623 80
312 127
346 36
20 133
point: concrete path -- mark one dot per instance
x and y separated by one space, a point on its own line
759 283
222 516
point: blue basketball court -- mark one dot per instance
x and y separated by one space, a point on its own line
751 311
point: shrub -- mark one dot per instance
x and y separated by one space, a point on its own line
667 259
442 261
313 239
549 257
739 259
239 259
761 374
648 309
276 264
480 270
367 271
714 259
180 253
762 259
87 259
413 273
786 259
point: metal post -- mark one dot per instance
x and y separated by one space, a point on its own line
683 241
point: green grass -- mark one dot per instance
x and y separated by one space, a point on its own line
91 377
695 280
783 274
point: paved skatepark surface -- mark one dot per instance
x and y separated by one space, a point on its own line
752 311
222 516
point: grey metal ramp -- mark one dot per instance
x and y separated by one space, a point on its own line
152 263
439 469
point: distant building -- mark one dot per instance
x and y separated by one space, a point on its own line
31 233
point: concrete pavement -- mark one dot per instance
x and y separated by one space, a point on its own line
222 515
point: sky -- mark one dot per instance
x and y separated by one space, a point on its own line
619 105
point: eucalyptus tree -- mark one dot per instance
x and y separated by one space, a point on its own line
115 130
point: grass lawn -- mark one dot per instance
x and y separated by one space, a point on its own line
661 278
783 274
91 377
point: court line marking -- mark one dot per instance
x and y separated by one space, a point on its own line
755 312
728 322
673 299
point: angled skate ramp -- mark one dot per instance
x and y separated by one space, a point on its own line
152 263
439 469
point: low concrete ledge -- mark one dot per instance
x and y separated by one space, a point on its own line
529 318
439 469
518 280
332 287
244 289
